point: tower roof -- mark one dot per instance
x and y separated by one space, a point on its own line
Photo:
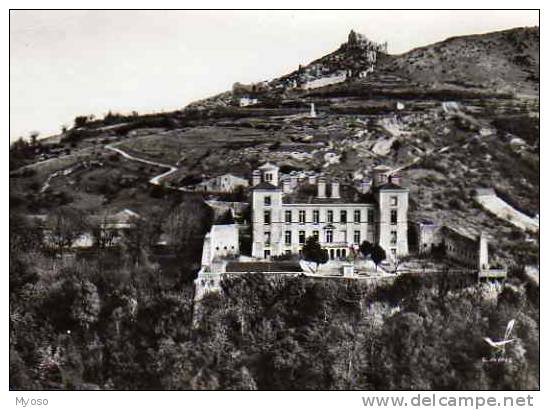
268 165
389 186
265 186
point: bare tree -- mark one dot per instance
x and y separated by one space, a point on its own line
65 226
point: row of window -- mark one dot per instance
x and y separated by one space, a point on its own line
267 199
329 216
302 216
329 237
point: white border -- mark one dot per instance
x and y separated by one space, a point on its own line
233 400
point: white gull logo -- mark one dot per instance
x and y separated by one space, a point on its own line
500 345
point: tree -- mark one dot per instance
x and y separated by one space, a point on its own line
378 254
66 225
365 248
102 236
186 223
135 242
80 121
313 252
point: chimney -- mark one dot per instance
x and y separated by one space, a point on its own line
395 179
256 177
322 187
380 174
335 190
286 186
293 181
365 185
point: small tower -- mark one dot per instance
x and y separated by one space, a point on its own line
269 173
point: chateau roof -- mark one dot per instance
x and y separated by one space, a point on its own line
307 194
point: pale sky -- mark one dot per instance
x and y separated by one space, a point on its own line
69 63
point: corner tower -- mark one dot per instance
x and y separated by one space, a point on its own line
392 221
266 220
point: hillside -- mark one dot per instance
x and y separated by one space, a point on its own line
429 112
506 61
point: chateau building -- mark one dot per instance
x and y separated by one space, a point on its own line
286 211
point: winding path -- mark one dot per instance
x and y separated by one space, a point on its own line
154 180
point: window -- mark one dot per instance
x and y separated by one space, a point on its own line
288 252
301 217
288 216
316 216
267 201
393 216
301 236
344 253
357 215
393 252
288 237
394 201
370 216
267 217
267 253
343 217
356 237
316 235
330 216
267 238
268 176
393 237
329 236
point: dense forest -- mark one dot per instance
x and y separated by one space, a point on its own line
120 321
